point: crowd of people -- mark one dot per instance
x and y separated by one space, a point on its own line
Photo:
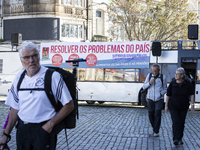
36 117
179 95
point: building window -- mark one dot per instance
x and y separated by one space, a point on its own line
17 1
98 13
68 2
100 74
1 65
74 31
169 70
78 3
99 23
80 28
65 30
90 74
131 75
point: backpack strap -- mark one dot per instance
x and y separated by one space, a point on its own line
20 79
47 87
150 76
161 76
26 89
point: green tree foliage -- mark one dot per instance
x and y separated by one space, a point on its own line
152 20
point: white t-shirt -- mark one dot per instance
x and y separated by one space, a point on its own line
33 105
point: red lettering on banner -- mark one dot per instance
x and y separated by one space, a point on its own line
61 49
93 49
122 48
76 49
72 48
85 48
89 48
52 49
97 47
141 48
102 48
147 47
58 49
118 48
113 49
137 47
69 48
82 49
109 47
129 48
64 49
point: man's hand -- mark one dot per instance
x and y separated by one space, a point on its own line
3 141
192 109
151 81
64 111
48 127
166 108
2 132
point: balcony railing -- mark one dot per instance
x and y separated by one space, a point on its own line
17 8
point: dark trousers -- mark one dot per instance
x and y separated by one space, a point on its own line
178 121
154 110
34 137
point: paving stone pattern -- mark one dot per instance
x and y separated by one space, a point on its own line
120 128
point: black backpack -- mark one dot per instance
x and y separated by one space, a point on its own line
70 121
143 92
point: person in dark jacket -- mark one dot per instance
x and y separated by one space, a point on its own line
179 93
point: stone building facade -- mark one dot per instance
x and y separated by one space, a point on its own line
57 20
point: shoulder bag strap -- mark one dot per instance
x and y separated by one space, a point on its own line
47 87
20 79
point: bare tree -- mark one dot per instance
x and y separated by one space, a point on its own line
152 20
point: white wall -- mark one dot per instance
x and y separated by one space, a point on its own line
11 65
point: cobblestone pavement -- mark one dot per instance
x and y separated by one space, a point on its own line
120 127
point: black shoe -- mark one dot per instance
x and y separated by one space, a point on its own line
175 142
180 142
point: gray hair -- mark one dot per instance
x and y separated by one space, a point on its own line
181 70
156 65
27 45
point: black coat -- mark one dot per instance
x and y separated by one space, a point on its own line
179 95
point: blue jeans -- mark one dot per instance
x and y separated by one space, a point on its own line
154 110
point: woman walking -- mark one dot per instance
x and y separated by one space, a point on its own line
179 94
